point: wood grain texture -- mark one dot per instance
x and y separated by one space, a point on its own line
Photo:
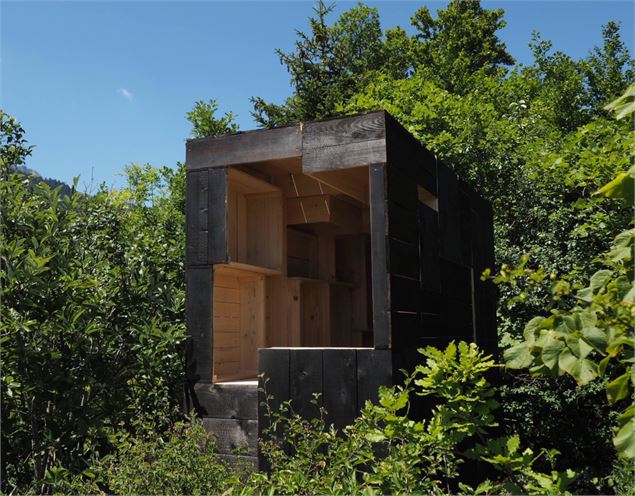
217 216
198 320
305 380
344 130
273 390
243 148
379 262
358 154
374 369
196 212
340 386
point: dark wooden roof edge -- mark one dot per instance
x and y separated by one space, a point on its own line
292 125
257 145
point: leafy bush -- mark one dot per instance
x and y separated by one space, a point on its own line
182 460
386 452
92 318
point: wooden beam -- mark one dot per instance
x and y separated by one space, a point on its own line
242 148
323 208
352 182
345 142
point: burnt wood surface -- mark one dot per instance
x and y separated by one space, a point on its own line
344 142
196 218
379 262
198 321
243 148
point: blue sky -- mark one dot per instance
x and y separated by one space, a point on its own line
101 84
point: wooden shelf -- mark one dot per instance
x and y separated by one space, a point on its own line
310 280
250 268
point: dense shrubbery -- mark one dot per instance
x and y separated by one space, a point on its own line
93 284
92 318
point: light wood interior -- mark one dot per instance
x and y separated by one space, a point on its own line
299 270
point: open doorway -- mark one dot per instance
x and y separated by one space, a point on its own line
299 269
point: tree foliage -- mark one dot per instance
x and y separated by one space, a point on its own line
206 124
92 317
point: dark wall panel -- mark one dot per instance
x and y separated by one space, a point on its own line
379 262
198 317
306 379
340 386
196 215
374 369
449 215
217 248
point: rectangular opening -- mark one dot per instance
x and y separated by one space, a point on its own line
299 272
427 198
255 221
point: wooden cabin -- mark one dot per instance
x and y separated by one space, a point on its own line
322 255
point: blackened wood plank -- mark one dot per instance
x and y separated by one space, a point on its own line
379 264
402 189
429 249
357 154
406 330
408 154
374 369
431 325
340 386
243 148
273 391
305 367
484 296
196 216
457 317
465 214
233 435
274 382
403 258
456 281
344 130
403 224
198 319
449 220
217 217
223 401
405 294
430 302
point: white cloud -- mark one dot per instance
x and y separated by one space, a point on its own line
127 94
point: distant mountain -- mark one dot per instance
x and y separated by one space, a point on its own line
36 177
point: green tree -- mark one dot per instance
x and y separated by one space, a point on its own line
460 42
327 65
205 123
92 291
608 69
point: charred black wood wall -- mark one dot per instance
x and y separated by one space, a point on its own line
435 257
343 378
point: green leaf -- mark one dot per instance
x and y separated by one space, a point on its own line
567 361
624 105
551 351
595 337
618 388
518 357
624 440
513 443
